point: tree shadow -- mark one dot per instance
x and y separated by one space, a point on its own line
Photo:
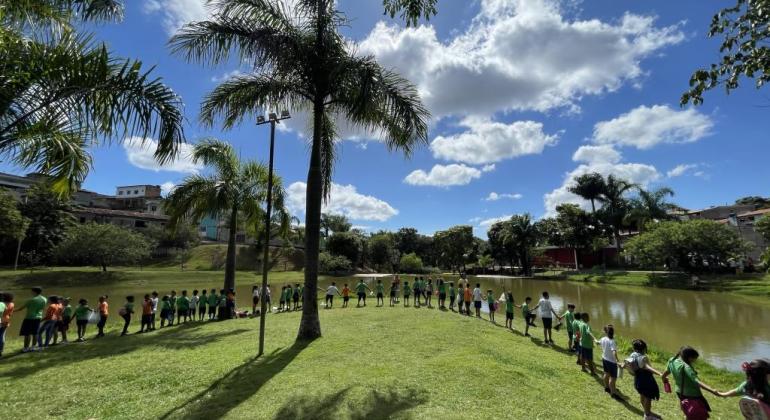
376 405
183 337
236 386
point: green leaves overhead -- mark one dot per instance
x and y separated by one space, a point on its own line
745 29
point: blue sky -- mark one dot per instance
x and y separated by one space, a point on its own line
523 93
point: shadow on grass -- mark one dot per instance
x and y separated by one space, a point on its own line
236 386
375 405
183 337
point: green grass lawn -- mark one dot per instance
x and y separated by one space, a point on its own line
371 363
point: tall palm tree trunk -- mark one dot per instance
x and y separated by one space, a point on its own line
230 261
310 325
593 206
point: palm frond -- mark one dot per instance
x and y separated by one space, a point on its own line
196 197
57 15
380 100
220 155
241 96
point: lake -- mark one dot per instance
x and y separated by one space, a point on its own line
725 329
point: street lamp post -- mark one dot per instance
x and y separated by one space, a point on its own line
273 119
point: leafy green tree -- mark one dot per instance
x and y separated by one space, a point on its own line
103 245
346 244
301 62
410 263
577 229
757 201
650 206
455 246
234 189
521 235
407 240
548 232
49 215
485 261
336 223
692 246
589 187
334 264
62 93
498 247
185 235
763 227
382 250
745 32
13 225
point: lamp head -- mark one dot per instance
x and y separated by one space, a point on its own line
273 116
260 119
285 114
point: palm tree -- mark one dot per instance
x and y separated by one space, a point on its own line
615 206
589 187
649 206
301 62
62 93
235 190
521 234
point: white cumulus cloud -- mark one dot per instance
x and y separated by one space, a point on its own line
520 55
491 221
493 196
166 188
345 200
176 13
645 127
443 176
685 168
487 141
590 154
139 152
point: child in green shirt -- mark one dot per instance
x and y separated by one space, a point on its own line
182 307
172 301
126 311
441 294
166 311
491 305
202 305
82 313
509 308
380 288
407 292
361 289
213 303
587 340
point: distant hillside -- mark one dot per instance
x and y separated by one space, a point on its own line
212 257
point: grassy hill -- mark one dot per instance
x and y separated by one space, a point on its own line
371 363
212 257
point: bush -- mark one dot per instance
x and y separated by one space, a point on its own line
328 263
410 263
103 245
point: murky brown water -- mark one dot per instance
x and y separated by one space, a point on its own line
725 329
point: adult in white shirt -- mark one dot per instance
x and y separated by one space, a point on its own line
330 292
477 299
546 315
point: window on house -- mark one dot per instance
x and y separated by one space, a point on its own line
120 192
140 223
154 208
136 191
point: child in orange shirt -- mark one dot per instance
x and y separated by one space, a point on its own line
146 314
50 320
104 312
5 317
345 296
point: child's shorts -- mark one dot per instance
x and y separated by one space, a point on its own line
610 368
164 313
547 322
477 304
509 316
212 310
586 353
64 325
379 296
345 298
442 296
361 295
146 319
81 322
